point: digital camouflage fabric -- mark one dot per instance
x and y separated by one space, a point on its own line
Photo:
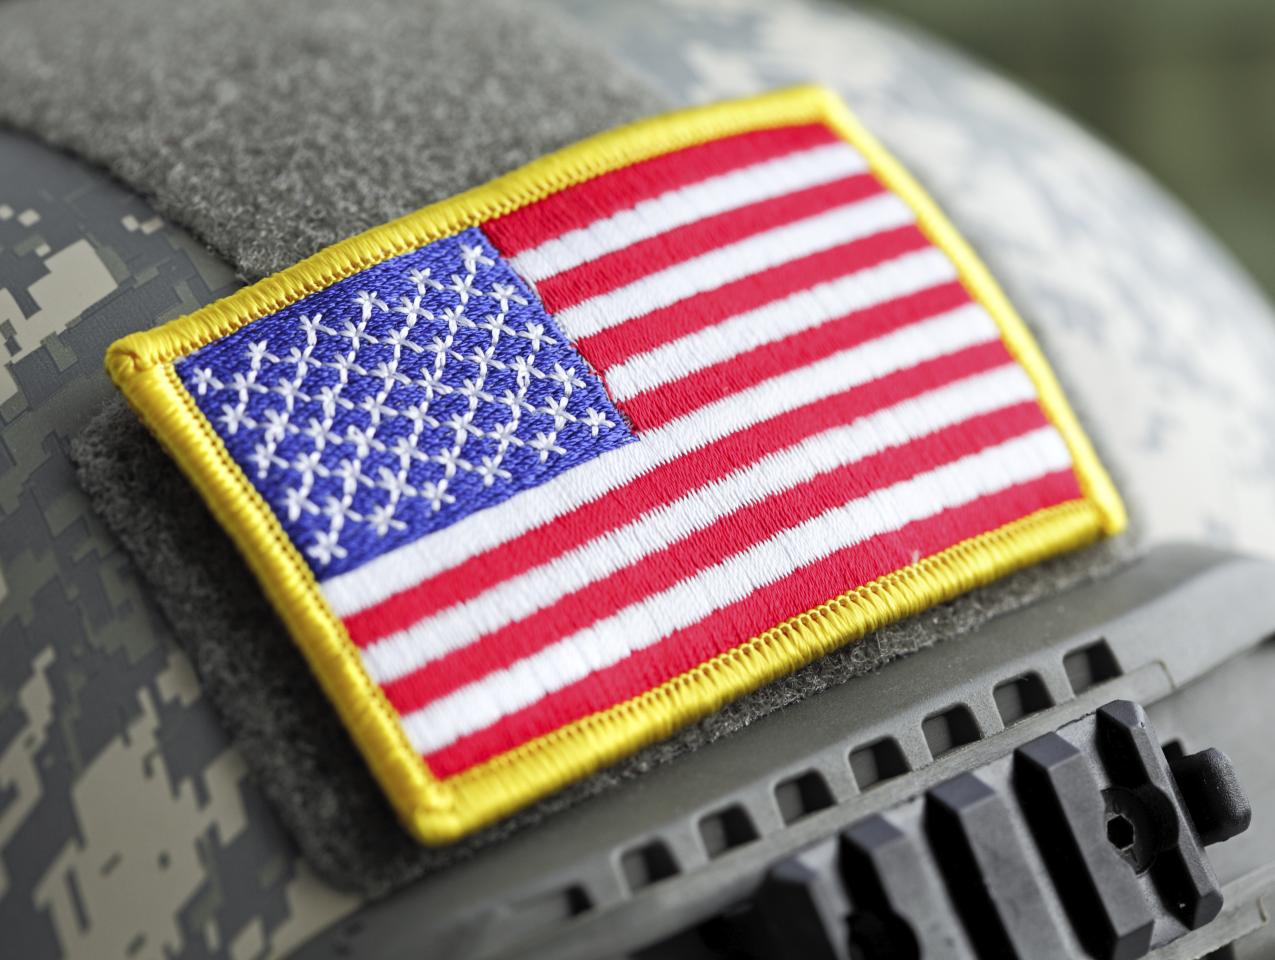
105 738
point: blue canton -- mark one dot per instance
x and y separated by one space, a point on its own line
402 399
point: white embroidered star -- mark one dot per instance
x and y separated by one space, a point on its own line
376 407
431 381
424 281
276 426
291 392
363 439
535 332
326 546
545 443
491 470
395 484
256 353
595 420
463 425
505 434
261 456
412 311
496 326
202 379
505 294
450 460
455 318
319 432
389 374
473 389
339 510
417 415
344 365
308 465
351 473
357 333
524 369
369 301
243 383
295 502
436 494
567 378
482 358
382 520
556 407
511 400
463 287
400 338
233 417
406 450
472 256
314 325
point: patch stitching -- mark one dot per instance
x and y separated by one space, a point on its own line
442 810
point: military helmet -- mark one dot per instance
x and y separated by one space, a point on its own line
147 812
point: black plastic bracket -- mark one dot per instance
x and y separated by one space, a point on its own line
1089 817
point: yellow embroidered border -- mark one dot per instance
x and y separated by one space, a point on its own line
438 811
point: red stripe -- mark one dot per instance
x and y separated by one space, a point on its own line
662 484
729 535
616 344
580 205
613 270
672 400
801 590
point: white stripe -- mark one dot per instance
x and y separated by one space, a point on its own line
511 600
609 641
762 251
696 201
669 362
414 562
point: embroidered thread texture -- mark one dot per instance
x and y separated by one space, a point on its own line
734 397
817 401
401 400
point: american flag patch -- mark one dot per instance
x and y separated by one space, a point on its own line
540 473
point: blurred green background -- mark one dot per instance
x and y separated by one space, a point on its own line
1184 87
